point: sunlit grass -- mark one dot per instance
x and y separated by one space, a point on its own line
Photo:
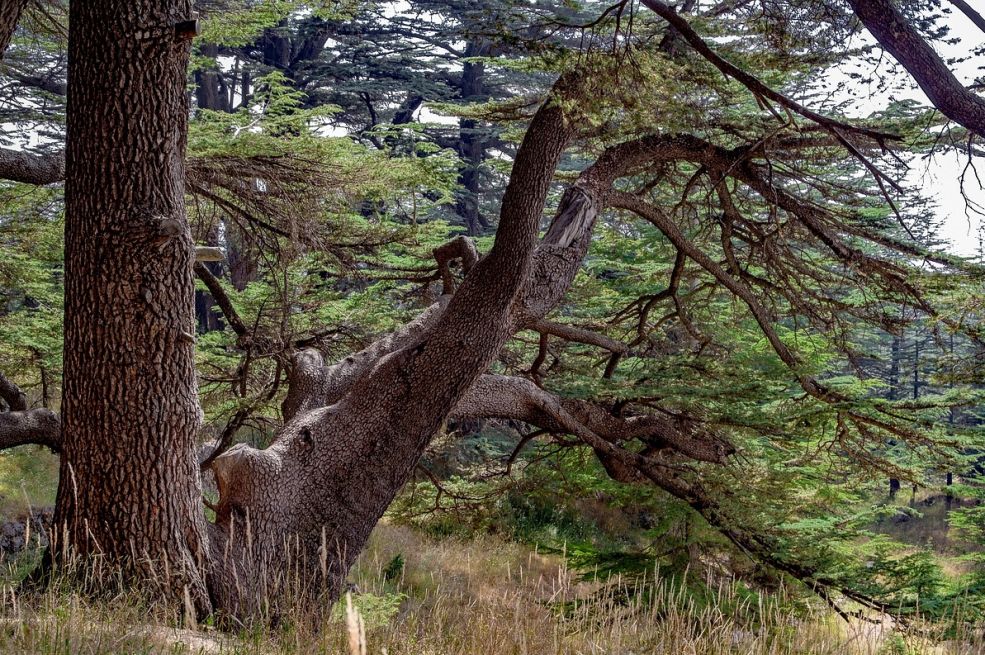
28 479
482 596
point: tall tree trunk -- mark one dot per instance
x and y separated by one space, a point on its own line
894 381
129 487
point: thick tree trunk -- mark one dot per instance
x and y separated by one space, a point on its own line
336 468
129 488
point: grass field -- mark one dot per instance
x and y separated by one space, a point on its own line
415 595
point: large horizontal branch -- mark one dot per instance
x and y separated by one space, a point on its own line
902 40
20 166
500 396
33 426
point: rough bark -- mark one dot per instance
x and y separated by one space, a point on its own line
129 487
888 25
34 426
20 166
338 467
11 395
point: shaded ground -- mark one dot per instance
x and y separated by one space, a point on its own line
923 522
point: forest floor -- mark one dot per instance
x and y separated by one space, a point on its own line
414 594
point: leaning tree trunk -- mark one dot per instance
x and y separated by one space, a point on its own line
293 517
129 487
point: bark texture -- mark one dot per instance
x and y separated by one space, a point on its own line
129 489
30 168
337 467
35 426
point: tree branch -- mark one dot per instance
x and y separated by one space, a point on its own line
11 394
221 299
579 335
460 248
972 15
752 83
20 166
10 13
500 396
891 29
33 426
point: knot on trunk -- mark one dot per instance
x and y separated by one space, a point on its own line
244 477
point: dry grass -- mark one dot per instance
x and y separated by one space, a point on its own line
477 597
